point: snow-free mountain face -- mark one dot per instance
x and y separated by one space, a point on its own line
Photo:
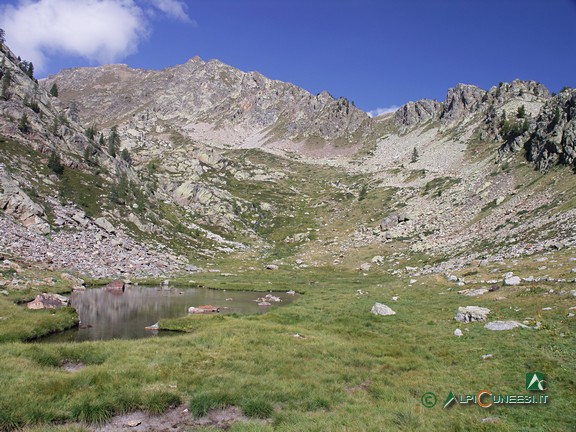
216 104
161 169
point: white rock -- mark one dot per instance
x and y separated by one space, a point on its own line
395 298
487 356
365 267
382 309
513 280
503 325
458 333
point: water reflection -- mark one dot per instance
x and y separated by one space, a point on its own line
124 315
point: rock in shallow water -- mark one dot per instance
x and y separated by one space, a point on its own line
203 309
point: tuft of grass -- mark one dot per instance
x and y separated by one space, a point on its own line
93 410
204 401
406 421
258 408
159 401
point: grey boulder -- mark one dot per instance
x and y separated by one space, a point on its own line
471 313
382 309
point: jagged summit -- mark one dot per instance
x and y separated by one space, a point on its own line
210 101
467 99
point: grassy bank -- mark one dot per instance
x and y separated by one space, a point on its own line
20 283
323 363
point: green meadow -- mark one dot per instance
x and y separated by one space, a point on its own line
323 363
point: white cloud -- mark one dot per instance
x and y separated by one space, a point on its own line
173 8
101 31
379 111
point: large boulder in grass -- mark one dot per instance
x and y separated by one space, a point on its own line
49 301
510 279
382 309
471 313
504 325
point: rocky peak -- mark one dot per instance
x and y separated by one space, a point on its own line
527 90
223 99
414 113
461 100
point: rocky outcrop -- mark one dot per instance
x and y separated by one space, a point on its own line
414 113
527 91
460 101
14 201
553 141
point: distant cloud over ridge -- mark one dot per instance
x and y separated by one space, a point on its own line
379 111
101 31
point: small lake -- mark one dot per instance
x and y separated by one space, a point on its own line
106 314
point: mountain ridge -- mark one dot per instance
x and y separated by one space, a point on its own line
221 161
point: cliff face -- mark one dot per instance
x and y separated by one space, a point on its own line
553 140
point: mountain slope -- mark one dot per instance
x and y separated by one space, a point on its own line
211 102
227 162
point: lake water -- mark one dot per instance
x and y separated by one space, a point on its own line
107 314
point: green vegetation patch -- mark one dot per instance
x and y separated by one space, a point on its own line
323 363
439 185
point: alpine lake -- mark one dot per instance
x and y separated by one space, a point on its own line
131 313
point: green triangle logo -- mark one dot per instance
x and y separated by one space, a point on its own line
535 381
451 398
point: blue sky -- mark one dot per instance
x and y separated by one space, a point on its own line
377 53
